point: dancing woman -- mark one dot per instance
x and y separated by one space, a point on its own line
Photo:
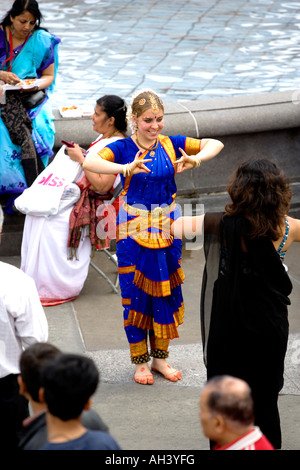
149 259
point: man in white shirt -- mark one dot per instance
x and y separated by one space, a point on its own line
22 322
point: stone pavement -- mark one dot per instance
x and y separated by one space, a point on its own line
162 416
183 49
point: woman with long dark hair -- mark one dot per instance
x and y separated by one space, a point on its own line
246 287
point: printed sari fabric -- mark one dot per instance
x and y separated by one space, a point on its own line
40 51
244 318
149 258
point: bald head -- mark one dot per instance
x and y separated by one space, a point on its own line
230 397
229 384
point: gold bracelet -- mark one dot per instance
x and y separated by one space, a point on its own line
197 162
126 170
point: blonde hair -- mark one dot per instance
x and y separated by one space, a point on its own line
141 102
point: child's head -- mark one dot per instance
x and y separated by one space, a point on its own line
32 362
68 383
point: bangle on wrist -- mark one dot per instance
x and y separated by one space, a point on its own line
126 170
197 162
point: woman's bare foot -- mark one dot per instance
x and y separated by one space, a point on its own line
142 374
161 366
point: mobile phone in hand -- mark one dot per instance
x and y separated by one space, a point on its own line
68 144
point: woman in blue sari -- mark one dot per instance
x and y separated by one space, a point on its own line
27 135
149 258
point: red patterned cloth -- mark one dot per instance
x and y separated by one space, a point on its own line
88 213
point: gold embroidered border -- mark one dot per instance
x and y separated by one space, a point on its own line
144 238
159 343
154 244
126 301
126 269
107 154
139 320
146 322
177 278
153 288
168 146
192 146
145 213
138 228
138 349
159 288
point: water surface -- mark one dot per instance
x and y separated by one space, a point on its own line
184 50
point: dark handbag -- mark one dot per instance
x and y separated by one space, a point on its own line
34 99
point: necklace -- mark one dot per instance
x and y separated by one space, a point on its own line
151 149
108 137
111 135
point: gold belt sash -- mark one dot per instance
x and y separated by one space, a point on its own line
138 228
145 213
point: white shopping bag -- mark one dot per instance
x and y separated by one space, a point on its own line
43 197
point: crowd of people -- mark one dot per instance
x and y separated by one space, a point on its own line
245 285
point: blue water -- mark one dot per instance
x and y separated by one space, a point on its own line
184 50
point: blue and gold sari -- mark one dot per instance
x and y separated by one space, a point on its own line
149 257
